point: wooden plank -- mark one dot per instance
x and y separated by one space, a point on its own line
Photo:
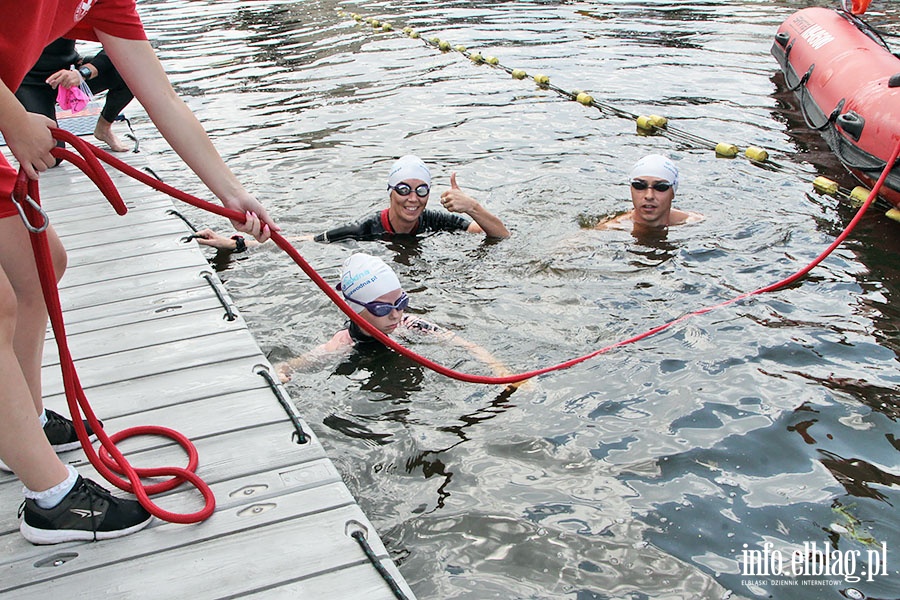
165 329
288 544
145 285
104 316
167 386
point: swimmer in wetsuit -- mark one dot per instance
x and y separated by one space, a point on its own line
372 288
409 186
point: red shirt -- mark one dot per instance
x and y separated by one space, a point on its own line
28 26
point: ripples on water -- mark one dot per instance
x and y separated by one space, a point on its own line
641 473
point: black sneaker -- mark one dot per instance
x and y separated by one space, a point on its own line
87 513
61 432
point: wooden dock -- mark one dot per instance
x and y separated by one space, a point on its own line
153 346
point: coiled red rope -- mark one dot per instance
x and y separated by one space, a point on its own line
89 163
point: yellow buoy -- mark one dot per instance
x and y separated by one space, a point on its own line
387 27
584 98
757 154
542 79
460 48
824 185
376 23
444 45
726 150
414 35
658 121
435 40
893 214
475 57
518 74
492 60
644 122
859 194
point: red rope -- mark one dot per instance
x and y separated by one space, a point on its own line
110 455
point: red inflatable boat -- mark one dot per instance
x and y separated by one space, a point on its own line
848 84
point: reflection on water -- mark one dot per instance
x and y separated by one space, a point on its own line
648 471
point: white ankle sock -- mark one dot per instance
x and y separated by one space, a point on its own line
53 496
43 417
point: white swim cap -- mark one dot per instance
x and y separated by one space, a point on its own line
408 167
365 278
656 165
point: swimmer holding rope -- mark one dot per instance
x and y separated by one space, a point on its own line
654 181
409 187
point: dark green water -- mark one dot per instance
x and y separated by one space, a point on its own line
643 473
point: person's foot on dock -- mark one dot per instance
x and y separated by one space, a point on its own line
87 513
103 132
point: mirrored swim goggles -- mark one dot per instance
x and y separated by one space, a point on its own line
404 189
641 185
382 309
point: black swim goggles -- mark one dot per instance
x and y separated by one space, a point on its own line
383 309
404 189
641 185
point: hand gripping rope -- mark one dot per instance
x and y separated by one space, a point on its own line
89 163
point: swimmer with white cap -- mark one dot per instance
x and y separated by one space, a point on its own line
373 290
409 188
653 181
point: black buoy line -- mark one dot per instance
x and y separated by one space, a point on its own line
646 124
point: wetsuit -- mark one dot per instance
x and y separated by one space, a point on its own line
37 96
378 225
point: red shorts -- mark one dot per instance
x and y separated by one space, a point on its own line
7 183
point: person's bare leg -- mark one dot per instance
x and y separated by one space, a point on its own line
23 445
103 132
17 260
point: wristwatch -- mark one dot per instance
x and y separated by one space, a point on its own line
85 72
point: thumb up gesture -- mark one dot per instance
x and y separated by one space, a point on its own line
456 200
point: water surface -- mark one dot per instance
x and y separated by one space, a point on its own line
645 472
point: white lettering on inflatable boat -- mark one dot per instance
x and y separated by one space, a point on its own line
817 37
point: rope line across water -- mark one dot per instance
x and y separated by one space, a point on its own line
646 124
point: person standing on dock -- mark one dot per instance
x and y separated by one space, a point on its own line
654 181
38 91
57 498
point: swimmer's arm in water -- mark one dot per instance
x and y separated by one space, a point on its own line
479 353
619 222
208 237
341 343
